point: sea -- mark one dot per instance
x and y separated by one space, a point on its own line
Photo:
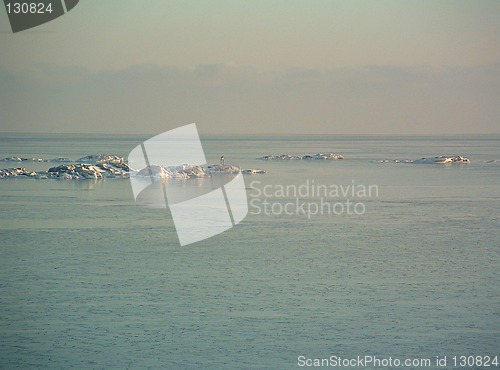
364 262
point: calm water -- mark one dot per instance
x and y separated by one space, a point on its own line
90 280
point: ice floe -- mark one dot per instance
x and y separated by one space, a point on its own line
102 158
186 171
394 161
15 172
222 169
89 167
75 171
306 156
443 159
34 159
177 172
60 159
252 171
21 159
100 166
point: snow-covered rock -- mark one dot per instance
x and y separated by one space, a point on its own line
94 167
15 172
75 171
252 171
154 171
186 171
444 159
222 169
100 166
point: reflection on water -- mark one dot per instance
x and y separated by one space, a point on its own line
90 280
179 190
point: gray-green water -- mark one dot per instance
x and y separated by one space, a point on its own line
90 280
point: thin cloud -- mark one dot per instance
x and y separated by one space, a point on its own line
231 99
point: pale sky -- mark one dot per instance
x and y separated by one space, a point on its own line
346 67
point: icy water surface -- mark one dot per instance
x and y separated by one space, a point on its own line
90 280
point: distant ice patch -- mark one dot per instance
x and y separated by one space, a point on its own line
33 159
319 156
443 159
252 171
394 161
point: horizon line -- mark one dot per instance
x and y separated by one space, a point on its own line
225 134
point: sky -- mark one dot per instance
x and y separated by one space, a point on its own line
256 67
